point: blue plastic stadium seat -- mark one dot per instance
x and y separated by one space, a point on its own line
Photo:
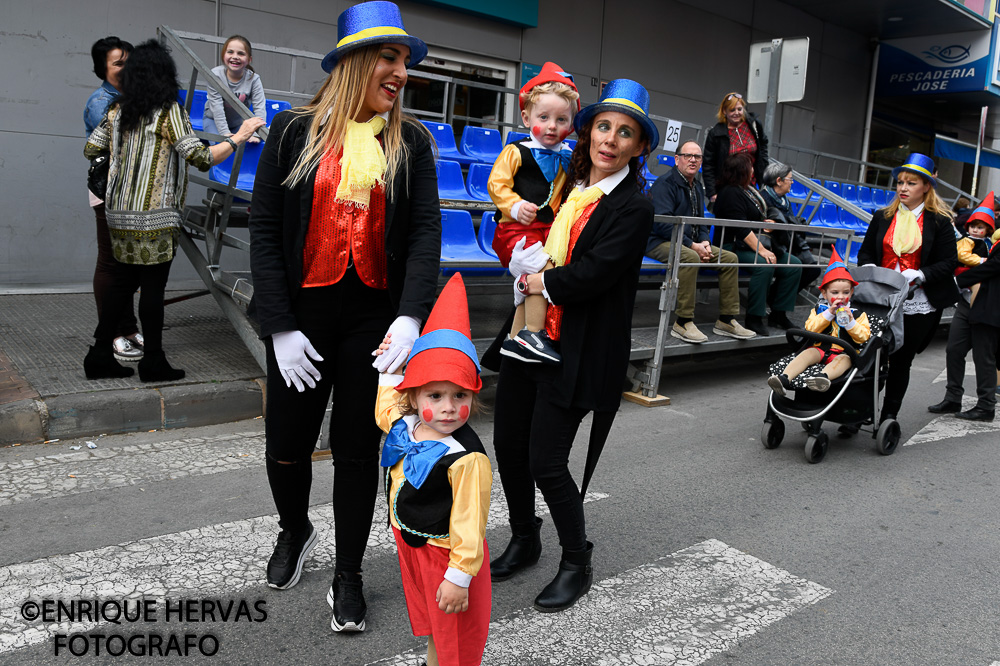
481 143
829 216
865 196
450 182
479 175
833 186
666 159
879 197
850 221
651 266
841 246
221 172
459 244
274 107
197 107
798 191
849 192
571 143
514 137
444 136
487 227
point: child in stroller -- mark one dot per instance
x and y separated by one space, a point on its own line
853 398
834 316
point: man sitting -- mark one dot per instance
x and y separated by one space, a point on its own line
680 193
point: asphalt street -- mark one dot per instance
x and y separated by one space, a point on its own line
709 548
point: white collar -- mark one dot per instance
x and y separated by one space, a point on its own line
412 421
326 117
532 142
916 211
607 185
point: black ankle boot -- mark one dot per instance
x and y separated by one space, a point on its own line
100 363
572 582
523 551
154 368
756 324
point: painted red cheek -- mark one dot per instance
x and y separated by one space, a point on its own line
464 412
564 134
428 415
536 130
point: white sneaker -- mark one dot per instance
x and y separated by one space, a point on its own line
688 333
126 351
820 383
733 330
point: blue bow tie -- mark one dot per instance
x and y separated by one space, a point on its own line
418 458
549 161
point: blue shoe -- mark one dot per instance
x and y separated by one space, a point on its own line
538 344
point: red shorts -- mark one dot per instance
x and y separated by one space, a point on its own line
459 638
829 355
508 233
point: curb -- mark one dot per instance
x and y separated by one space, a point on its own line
129 410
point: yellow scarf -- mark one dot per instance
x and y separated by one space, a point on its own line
557 245
363 164
906 237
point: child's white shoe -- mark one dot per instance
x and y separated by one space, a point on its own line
820 383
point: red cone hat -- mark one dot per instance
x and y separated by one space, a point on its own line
444 352
984 213
836 270
551 73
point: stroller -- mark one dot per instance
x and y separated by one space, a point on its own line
853 399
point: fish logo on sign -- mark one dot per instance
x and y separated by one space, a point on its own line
949 55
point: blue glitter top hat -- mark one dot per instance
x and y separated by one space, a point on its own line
918 164
377 22
624 96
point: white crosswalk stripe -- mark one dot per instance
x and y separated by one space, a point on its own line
947 427
680 610
223 558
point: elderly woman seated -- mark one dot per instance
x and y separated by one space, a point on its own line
777 183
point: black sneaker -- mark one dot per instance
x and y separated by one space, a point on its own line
511 349
347 599
539 344
285 566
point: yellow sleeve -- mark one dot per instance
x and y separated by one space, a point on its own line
471 479
816 323
862 329
501 182
996 236
965 255
387 401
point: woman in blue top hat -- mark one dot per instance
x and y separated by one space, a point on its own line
597 242
345 239
913 235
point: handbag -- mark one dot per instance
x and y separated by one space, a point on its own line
97 175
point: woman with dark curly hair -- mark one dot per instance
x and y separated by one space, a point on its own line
151 144
738 200
596 242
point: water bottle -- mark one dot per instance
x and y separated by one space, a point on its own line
843 315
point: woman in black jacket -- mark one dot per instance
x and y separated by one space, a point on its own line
736 132
345 240
539 407
914 236
738 200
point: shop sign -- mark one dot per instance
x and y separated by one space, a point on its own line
958 62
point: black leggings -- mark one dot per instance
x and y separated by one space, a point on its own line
152 283
533 437
918 331
344 322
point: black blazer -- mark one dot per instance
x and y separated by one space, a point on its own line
938 254
717 150
279 219
986 308
597 289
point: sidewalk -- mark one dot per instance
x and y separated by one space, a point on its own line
44 394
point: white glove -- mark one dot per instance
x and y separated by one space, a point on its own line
531 260
911 273
518 296
405 331
292 350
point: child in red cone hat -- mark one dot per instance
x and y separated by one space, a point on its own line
974 247
438 481
527 184
832 316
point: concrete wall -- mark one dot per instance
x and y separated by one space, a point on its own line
688 53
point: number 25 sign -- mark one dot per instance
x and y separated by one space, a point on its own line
672 136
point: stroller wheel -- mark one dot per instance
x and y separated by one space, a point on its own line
816 446
888 437
772 433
